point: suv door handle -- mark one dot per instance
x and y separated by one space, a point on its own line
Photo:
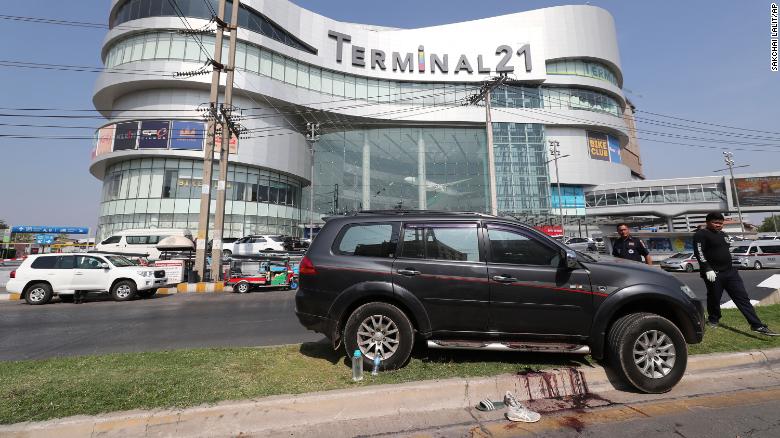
504 279
408 272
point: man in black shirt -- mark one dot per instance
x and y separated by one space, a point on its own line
630 248
712 251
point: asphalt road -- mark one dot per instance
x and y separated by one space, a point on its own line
182 321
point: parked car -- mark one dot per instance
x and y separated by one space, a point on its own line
227 246
41 277
295 244
376 281
600 244
756 254
253 245
682 261
581 244
139 241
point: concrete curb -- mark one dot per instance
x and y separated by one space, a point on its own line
276 413
10 296
199 288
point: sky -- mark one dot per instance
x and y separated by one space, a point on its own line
706 61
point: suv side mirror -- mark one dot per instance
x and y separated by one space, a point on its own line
570 258
104 265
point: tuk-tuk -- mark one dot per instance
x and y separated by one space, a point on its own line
248 273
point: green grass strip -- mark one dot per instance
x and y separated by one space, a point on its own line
36 390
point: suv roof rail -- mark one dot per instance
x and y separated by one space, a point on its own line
421 213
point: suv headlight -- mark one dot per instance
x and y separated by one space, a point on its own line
146 273
688 291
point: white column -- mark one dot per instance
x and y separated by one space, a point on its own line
366 172
421 178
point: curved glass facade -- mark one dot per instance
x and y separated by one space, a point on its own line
249 57
578 67
165 193
248 18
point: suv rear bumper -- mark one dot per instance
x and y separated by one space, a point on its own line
316 323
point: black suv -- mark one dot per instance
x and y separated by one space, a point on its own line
469 280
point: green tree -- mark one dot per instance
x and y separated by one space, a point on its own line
767 226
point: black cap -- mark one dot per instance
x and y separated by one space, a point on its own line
714 216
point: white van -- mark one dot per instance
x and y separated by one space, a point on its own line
756 254
140 241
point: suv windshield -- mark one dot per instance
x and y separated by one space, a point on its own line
740 249
120 262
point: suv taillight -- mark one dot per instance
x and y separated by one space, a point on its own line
306 267
13 274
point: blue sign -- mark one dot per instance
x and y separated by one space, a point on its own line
50 230
187 135
44 239
614 149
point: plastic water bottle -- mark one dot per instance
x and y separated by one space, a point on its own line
377 362
357 366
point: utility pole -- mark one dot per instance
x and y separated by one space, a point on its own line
729 158
484 94
336 199
227 132
208 154
312 135
556 155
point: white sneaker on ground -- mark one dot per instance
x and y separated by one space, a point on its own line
517 412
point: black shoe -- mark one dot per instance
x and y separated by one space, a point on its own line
764 330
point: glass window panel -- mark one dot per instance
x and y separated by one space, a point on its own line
452 244
515 248
373 90
150 46
253 59
240 55
163 46
290 71
367 240
266 63
178 45
327 82
127 50
315 78
278 67
349 86
303 75
361 88
138 47
193 52
338 84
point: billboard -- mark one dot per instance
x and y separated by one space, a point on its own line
126 136
187 135
762 191
154 134
598 146
614 149
551 230
105 140
233 146
49 229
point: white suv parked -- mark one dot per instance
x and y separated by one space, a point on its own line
40 277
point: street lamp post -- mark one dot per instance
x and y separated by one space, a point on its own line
312 135
554 144
729 158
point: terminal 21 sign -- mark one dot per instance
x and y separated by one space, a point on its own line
405 62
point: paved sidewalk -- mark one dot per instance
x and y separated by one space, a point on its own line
404 408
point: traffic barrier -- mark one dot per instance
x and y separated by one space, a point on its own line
199 288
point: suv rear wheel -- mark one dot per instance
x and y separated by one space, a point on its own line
123 290
649 351
38 293
379 328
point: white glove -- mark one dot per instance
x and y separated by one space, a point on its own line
711 276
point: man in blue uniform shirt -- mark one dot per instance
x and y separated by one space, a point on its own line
630 248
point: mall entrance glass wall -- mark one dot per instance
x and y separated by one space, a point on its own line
522 180
410 168
165 193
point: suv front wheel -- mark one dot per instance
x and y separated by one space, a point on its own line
38 293
379 328
124 290
649 351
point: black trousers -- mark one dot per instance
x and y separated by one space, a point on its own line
732 283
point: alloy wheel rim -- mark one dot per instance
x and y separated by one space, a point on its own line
123 291
654 354
37 294
242 288
378 335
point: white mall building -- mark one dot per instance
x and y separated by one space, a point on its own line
390 106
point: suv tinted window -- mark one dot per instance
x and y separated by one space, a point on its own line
136 240
370 240
442 242
44 263
65 262
87 262
112 239
516 248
